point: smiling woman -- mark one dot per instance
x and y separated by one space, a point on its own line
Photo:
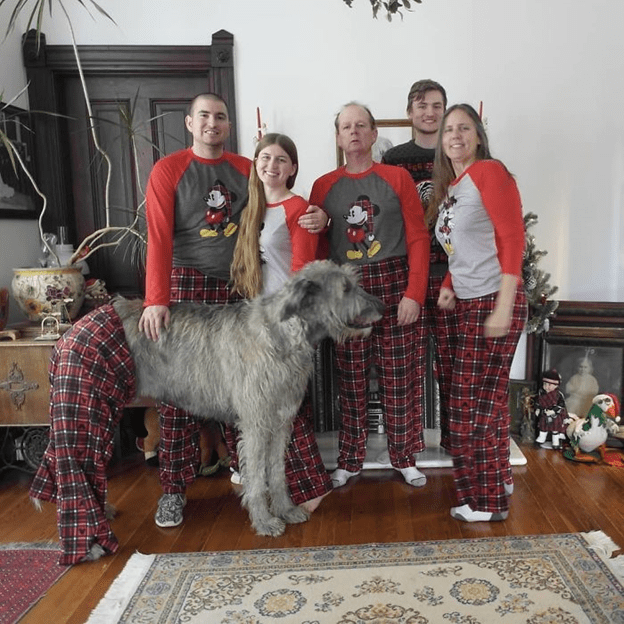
460 140
479 223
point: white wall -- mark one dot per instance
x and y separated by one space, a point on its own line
19 238
550 75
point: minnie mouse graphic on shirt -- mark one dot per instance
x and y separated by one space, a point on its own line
447 213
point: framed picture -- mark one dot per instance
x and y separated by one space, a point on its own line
585 344
391 132
585 372
18 199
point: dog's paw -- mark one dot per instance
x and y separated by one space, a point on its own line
110 511
295 515
273 527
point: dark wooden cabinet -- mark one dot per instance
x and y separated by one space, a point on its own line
24 384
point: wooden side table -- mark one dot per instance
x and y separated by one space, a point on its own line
24 400
24 383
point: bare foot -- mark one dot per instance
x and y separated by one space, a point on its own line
312 504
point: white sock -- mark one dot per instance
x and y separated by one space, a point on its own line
340 476
467 514
413 476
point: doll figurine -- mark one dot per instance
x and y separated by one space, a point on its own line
550 410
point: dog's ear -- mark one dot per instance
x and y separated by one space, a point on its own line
301 297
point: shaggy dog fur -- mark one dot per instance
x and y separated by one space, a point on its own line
248 364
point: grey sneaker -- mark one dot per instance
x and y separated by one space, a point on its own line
169 512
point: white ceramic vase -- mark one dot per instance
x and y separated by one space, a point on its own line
41 292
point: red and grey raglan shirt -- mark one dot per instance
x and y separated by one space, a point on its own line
481 228
285 246
376 215
193 208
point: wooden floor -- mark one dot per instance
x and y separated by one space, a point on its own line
552 495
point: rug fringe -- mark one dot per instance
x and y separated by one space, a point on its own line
605 547
110 608
48 545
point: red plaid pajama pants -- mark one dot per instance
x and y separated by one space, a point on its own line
92 378
306 475
479 417
179 452
443 326
391 347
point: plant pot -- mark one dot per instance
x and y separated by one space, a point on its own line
42 292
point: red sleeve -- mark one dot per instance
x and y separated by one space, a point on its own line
447 282
303 244
159 214
502 202
417 240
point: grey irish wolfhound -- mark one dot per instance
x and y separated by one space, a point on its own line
248 364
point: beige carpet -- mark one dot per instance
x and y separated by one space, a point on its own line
567 579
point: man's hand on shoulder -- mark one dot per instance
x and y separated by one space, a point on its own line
153 319
314 220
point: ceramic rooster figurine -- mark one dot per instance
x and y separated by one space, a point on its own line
590 434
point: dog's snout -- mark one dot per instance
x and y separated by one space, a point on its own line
377 304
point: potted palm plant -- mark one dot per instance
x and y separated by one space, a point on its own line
40 291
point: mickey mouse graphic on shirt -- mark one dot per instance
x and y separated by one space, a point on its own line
360 229
448 214
219 214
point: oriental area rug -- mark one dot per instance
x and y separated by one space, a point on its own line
543 579
27 571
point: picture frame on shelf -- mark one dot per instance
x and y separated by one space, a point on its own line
18 199
585 371
391 132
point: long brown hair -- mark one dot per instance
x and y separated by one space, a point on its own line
443 172
246 269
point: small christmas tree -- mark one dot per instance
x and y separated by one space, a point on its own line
536 286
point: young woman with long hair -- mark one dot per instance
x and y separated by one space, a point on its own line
478 220
271 246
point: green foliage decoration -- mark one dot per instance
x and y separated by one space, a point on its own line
536 283
391 7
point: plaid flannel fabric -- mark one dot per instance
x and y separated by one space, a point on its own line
179 453
92 378
479 405
391 347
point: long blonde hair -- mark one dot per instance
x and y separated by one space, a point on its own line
246 268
